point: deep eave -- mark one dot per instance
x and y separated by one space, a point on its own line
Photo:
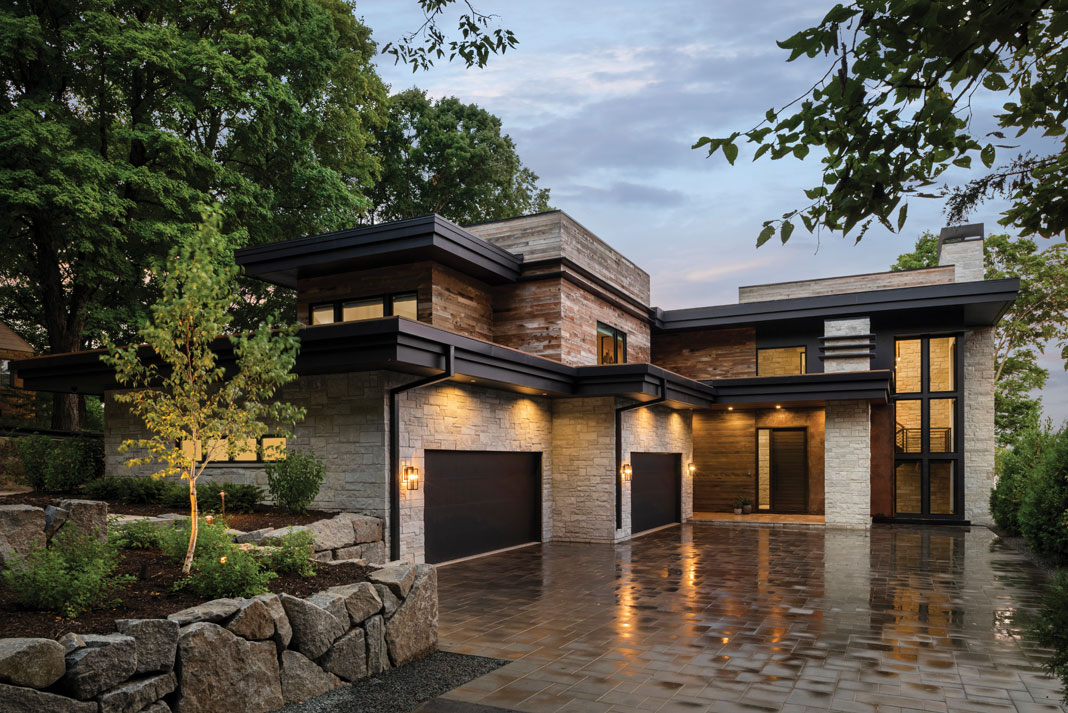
802 388
406 346
403 242
982 303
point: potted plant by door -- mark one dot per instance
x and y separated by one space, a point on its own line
747 506
739 503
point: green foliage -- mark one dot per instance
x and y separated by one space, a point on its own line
181 389
450 158
135 535
1051 629
58 465
292 555
478 40
1037 319
893 110
220 568
1015 467
1043 516
294 482
74 574
135 491
120 119
240 497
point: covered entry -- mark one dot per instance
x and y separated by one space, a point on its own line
655 490
480 501
782 473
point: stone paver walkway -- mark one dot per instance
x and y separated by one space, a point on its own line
719 619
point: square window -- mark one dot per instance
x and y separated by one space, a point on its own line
406 306
781 361
322 314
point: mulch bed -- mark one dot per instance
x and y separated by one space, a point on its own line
150 596
264 516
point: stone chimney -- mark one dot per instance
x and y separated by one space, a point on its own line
962 247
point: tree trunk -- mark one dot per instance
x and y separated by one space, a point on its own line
188 564
68 412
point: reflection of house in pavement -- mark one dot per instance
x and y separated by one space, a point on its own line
15 404
520 375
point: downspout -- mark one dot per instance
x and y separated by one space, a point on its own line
394 446
619 444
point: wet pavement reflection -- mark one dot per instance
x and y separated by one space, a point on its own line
732 618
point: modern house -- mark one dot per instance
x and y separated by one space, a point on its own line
509 382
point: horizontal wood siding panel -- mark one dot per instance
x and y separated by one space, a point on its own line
462 303
707 354
526 316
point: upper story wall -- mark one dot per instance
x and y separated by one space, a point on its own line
557 236
851 283
707 354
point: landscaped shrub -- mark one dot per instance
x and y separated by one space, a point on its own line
1052 628
294 482
59 465
73 574
135 535
130 491
292 554
239 497
1015 468
1043 514
220 568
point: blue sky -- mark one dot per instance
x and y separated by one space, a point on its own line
604 100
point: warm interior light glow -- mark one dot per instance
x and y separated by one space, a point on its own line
411 477
627 472
778 406
730 408
692 468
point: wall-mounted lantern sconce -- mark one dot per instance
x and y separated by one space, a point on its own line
778 406
692 467
626 471
411 477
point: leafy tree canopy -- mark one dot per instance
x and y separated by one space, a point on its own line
120 117
479 37
450 158
1038 319
188 401
893 111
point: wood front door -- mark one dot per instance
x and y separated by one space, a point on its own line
789 470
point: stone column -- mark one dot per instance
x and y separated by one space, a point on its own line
978 424
847 464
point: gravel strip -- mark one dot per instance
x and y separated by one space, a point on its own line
400 690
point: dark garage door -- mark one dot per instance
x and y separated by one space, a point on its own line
480 501
655 490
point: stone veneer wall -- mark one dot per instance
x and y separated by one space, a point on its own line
842 285
978 423
707 354
658 429
847 479
583 451
345 426
465 417
841 329
966 257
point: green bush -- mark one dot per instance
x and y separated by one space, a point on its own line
1015 468
132 491
292 554
1043 516
294 482
1051 629
220 568
73 574
239 497
135 535
59 465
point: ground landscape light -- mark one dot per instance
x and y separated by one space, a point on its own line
411 477
626 471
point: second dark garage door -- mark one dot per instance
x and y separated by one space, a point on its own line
655 490
480 501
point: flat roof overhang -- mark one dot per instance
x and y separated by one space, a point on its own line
981 304
403 242
405 346
804 388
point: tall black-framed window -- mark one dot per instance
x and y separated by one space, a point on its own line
928 453
401 304
611 345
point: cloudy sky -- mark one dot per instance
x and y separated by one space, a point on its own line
604 99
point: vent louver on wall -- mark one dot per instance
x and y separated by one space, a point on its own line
847 346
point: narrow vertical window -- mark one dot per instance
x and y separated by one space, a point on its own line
611 345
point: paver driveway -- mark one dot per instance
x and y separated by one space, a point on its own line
732 618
